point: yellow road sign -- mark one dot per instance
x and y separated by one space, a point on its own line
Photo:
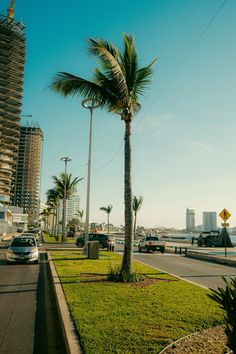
225 215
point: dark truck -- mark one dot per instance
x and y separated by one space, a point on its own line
214 238
105 241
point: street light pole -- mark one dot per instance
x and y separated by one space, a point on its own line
66 160
90 104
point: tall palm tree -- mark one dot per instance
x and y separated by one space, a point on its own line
137 202
116 86
107 210
71 184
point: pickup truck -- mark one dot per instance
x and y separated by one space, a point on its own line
151 243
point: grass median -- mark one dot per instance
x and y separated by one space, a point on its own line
135 318
48 238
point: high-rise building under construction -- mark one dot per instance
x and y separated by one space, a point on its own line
27 179
12 59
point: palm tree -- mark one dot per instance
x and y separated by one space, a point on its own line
45 214
65 180
107 210
137 202
116 87
80 214
53 198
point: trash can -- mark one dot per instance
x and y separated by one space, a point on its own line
93 250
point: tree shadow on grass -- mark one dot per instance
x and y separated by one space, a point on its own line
76 276
95 278
69 259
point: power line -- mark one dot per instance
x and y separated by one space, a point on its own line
179 67
185 59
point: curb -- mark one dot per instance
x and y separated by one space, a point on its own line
169 346
177 341
213 259
70 337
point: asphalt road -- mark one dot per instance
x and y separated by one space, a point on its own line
204 273
29 322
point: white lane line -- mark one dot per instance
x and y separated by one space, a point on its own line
186 265
174 275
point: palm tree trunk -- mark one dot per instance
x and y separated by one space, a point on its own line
135 219
57 221
127 261
55 224
63 239
108 223
53 220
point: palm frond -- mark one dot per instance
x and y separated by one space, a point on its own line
143 78
129 60
70 85
107 209
137 202
108 56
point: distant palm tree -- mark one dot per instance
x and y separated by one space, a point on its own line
80 214
53 199
116 87
45 213
137 202
70 190
108 210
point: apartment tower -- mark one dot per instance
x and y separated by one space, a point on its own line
72 207
27 179
209 220
12 60
190 220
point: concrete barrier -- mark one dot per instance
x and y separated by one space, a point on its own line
210 258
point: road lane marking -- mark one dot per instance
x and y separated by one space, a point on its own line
185 264
175 276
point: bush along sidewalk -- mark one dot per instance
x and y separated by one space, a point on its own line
226 297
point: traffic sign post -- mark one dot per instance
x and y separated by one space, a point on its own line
225 215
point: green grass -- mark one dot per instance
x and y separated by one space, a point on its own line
128 318
49 238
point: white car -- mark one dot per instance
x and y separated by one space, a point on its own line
151 243
23 249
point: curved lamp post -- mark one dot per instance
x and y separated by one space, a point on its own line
66 160
90 104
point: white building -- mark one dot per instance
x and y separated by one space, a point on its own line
72 207
190 219
209 220
19 219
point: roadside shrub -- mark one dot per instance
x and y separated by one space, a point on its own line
117 275
226 297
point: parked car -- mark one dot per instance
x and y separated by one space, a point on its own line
151 243
23 249
105 241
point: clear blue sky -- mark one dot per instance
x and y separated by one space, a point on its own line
184 137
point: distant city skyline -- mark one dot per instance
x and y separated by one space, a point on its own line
183 138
